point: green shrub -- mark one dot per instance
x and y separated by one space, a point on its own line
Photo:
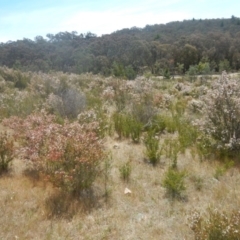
187 134
174 182
93 100
119 121
204 146
224 65
134 129
19 105
166 73
121 97
171 123
105 126
130 73
127 126
125 171
20 80
178 109
153 152
192 73
221 170
171 148
158 124
6 151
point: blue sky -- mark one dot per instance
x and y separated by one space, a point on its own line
30 18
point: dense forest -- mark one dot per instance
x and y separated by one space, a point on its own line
192 46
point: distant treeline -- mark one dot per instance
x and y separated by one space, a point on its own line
200 46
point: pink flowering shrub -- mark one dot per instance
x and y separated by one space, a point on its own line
68 155
223 116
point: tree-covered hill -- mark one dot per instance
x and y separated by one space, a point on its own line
172 48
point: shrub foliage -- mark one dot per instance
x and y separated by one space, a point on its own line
219 225
67 154
223 115
6 151
174 182
153 152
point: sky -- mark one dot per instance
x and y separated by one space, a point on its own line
21 19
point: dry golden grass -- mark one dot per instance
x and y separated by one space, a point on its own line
146 213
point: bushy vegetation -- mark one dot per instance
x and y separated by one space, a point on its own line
67 101
222 124
6 151
171 148
67 154
160 49
217 226
82 138
153 151
17 78
125 171
127 126
174 183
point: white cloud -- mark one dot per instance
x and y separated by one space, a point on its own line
19 24
110 21
100 17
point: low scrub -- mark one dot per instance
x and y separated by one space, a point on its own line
99 115
222 123
68 155
153 151
127 126
218 225
19 79
22 104
187 134
174 183
119 121
171 148
143 111
6 151
67 101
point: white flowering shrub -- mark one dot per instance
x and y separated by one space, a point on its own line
222 121
100 117
218 226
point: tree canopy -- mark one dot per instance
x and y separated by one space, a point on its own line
158 48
